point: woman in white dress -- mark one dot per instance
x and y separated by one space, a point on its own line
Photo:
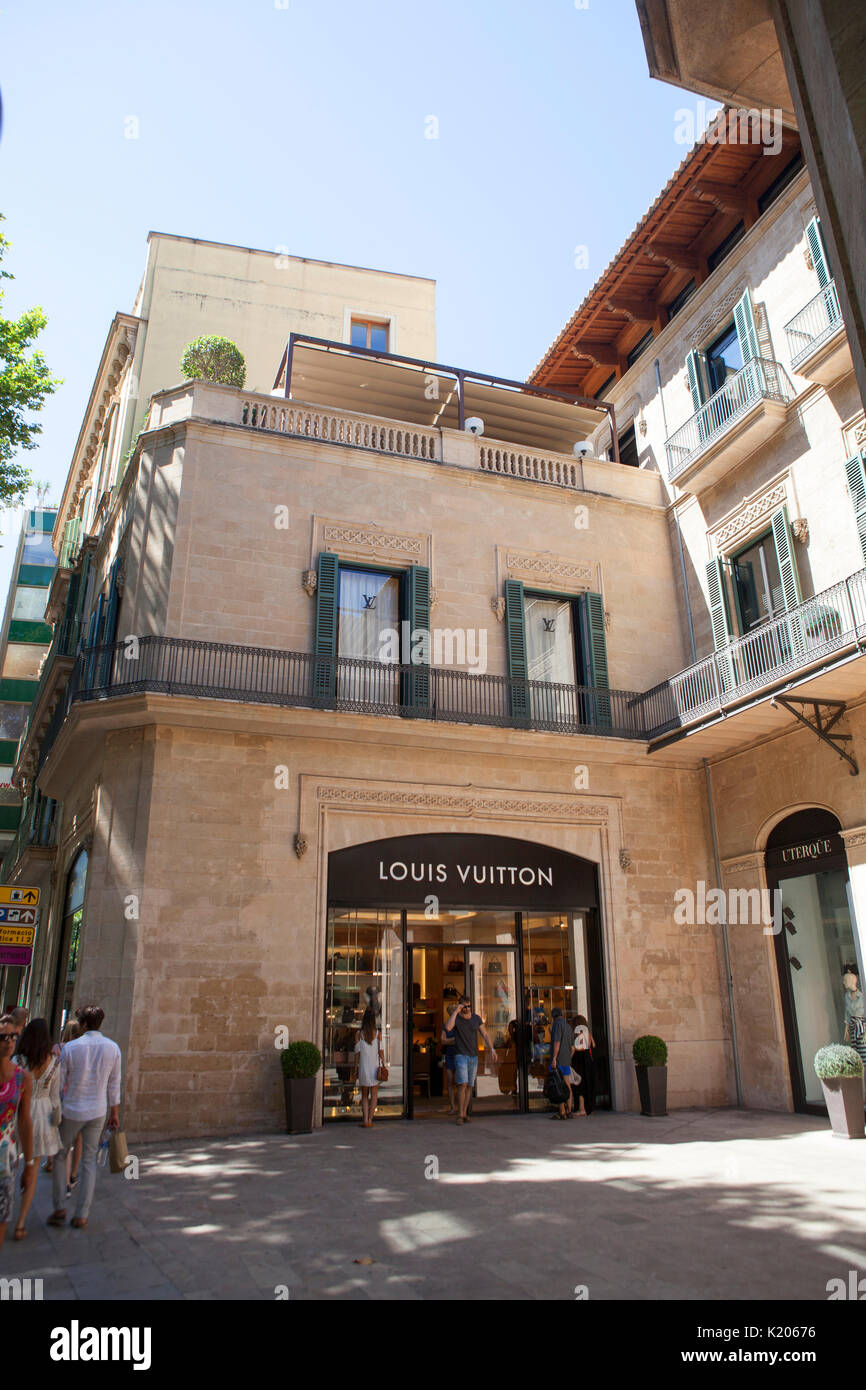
370 1057
37 1055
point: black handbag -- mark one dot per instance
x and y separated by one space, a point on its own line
556 1088
495 966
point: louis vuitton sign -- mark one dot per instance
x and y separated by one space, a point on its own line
461 871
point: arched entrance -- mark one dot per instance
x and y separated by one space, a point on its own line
816 948
416 921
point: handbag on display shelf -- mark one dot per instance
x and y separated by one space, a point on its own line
455 967
495 966
540 965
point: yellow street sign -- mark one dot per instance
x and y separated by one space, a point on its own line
26 897
17 936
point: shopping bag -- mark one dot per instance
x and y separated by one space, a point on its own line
118 1154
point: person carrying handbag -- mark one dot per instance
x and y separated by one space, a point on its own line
371 1066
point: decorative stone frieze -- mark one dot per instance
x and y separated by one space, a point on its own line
465 803
750 864
715 316
749 515
366 542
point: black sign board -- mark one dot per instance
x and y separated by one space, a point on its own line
805 843
461 871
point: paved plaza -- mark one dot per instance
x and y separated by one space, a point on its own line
703 1204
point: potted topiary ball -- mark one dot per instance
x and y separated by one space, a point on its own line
650 1061
211 358
300 1062
840 1071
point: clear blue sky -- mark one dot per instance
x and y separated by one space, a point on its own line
301 123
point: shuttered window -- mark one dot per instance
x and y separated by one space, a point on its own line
781 527
744 322
818 252
515 637
720 613
856 474
325 645
557 694
416 695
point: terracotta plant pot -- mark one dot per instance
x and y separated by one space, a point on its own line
300 1103
844 1099
652 1085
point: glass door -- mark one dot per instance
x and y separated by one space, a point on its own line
438 978
493 991
364 970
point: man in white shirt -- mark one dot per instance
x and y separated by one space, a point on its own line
89 1086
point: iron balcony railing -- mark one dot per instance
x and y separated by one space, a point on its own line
260 675
821 627
38 827
814 324
761 379
63 643
817 628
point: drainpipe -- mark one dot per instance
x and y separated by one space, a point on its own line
725 942
678 531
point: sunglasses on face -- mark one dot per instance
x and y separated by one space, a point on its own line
9 1037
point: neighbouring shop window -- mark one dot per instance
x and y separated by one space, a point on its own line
364 969
368 333
70 941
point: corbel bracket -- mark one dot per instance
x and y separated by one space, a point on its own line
820 724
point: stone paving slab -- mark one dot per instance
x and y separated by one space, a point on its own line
701 1204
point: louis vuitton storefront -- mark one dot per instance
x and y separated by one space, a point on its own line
416 921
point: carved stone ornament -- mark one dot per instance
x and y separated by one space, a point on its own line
800 527
498 606
624 859
716 314
607 620
434 598
749 516
642 426
300 845
310 582
860 435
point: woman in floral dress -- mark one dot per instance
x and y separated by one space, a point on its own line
36 1052
15 1123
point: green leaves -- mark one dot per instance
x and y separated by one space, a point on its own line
837 1060
649 1051
300 1060
25 382
214 359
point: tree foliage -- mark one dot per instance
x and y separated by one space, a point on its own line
25 381
214 359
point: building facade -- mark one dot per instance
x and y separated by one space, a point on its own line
393 681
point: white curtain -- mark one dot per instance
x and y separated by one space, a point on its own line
550 657
369 611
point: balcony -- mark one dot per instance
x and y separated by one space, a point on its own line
831 624
261 675
37 831
817 340
739 417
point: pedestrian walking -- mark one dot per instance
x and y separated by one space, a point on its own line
450 1061
89 1086
465 1027
370 1058
16 1129
36 1054
561 1045
583 1066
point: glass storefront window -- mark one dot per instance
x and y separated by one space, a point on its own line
820 948
462 927
364 969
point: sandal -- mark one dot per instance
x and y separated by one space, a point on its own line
79 1222
57 1218
20 1233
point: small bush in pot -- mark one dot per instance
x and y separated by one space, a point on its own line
211 358
840 1071
300 1062
650 1059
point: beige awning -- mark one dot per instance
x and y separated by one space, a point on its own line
429 396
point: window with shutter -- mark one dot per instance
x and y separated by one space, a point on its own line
417 607
856 474
594 655
818 252
696 377
790 579
515 637
720 614
325 646
747 333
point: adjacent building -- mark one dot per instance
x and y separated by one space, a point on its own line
379 681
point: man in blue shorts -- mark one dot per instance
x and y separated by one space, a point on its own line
465 1027
561 1044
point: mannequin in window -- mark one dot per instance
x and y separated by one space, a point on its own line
855 1010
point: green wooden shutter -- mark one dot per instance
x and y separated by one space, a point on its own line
744 322
695 371
325 647
818 252
720 613
515 636
93 630
108 634
417 609
785 556
80 601
594 654
857 487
